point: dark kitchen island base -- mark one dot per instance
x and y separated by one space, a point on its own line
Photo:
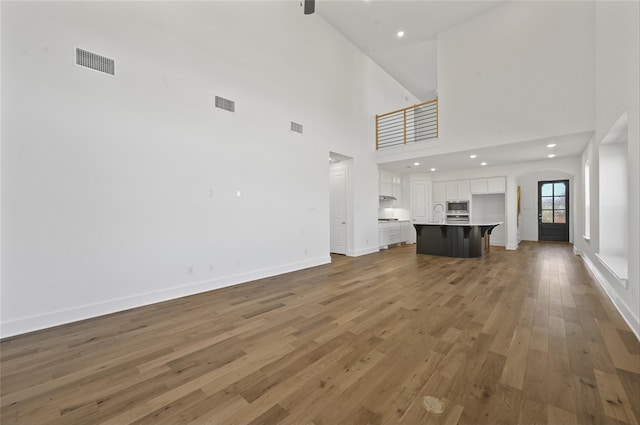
453 239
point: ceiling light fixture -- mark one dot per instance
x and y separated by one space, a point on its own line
473 156
551 145
483 163
309 6
400 34
433 169
552 155
416 163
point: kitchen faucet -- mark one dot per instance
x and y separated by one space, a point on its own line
442 211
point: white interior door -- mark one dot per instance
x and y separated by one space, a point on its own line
419 204
420 201
338 205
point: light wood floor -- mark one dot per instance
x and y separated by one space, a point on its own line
515 337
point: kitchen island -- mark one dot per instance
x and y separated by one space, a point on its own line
454 239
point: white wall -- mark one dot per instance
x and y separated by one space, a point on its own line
528 222
378 93
490 208
521 71
616 87
614 199
106 181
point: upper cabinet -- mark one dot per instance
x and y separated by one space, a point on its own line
496 185
492 185
463 189
479 186
386 183
457 191
391 185
439 192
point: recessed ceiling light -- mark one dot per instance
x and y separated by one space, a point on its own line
551 145
473 156
400 34
552 155
483 163
433 169
416 163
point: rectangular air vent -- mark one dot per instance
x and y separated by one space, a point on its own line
226 104
295 127
96 62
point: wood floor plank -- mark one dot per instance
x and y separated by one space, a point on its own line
532 413
513 372
618 352
615 401
523 336
555 415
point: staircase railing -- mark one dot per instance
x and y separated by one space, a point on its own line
407 125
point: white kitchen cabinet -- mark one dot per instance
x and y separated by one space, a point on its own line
451 191
386 183
396 191
394 236
391 185
439 192
405 231
393 232
492 185
496 185
382 235
478 186
464 194
386 189
457 191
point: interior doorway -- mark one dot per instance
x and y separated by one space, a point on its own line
553 210
339 181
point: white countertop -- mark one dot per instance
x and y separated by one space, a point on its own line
458 223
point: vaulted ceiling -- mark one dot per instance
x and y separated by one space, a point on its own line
412 59
373 26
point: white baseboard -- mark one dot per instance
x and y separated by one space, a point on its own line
48 320
511 247
632 320
363 251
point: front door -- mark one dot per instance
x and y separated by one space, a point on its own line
553 210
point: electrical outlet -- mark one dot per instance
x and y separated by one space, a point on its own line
238 193
189 269
211 194
210 267
305 251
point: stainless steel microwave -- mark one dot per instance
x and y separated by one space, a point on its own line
457 207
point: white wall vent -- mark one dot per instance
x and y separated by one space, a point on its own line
94 61
226 104
296 128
